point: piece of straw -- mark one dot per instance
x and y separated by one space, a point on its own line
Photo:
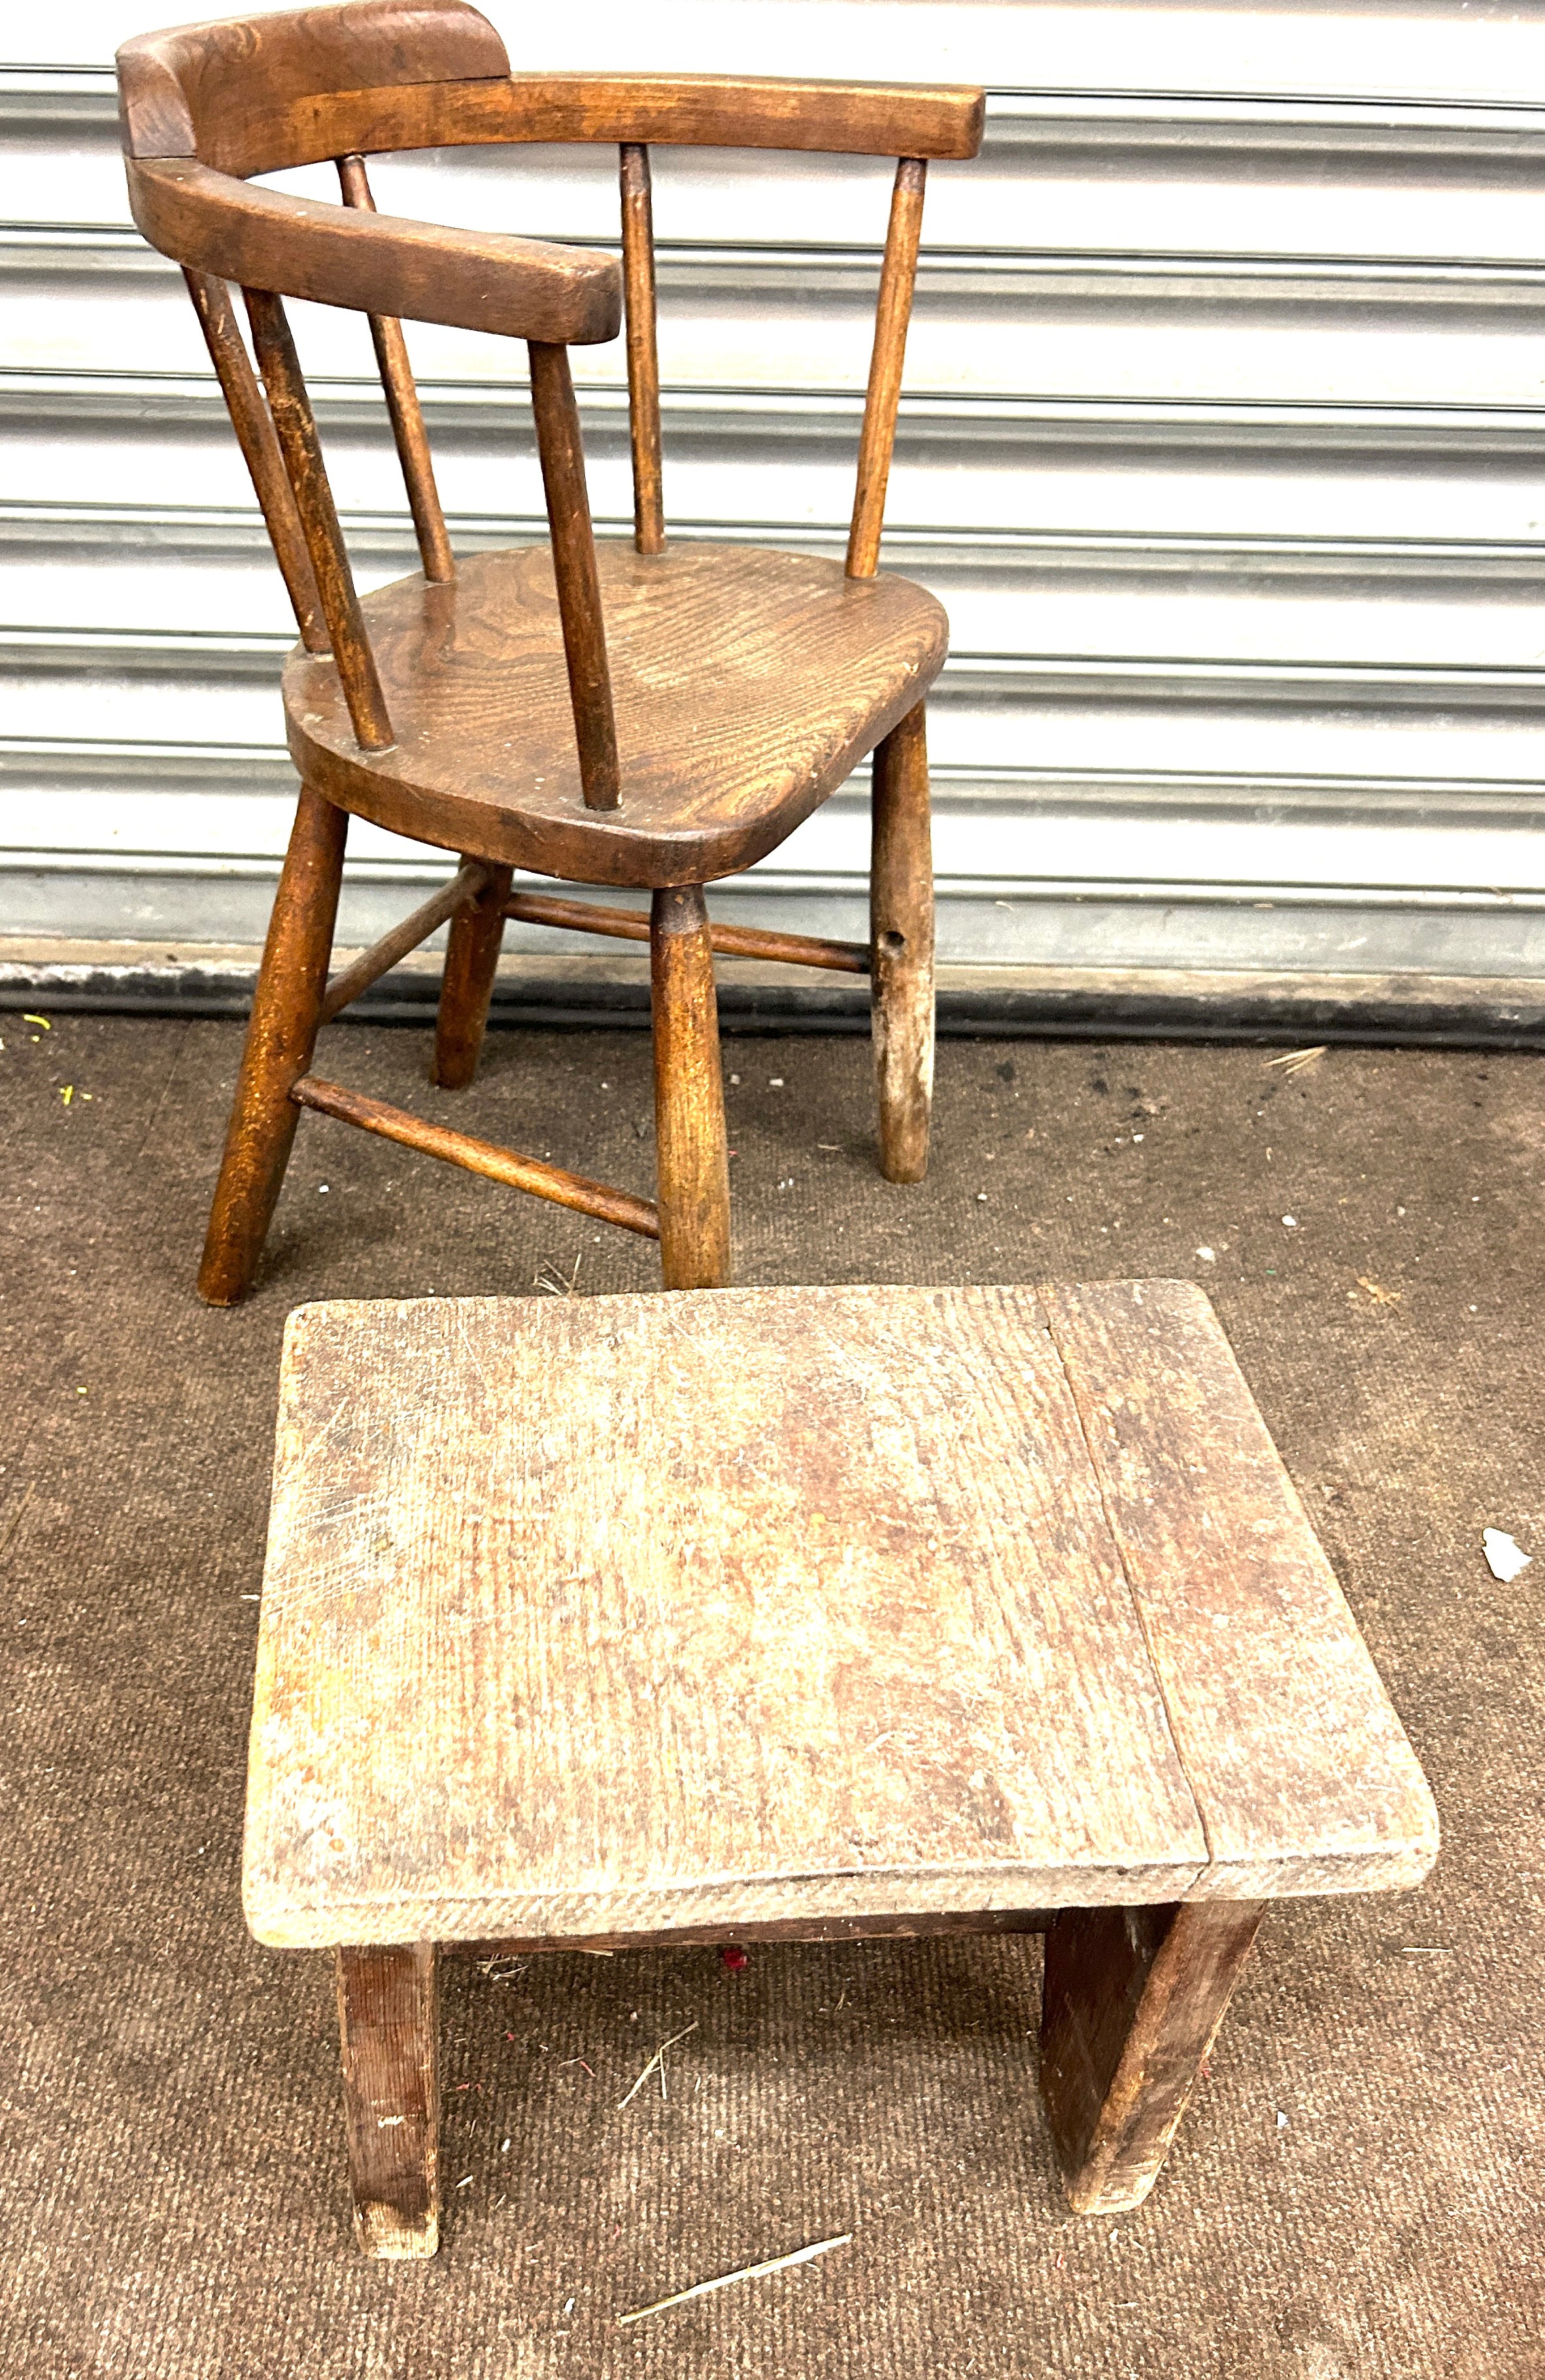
746 2273
657 2060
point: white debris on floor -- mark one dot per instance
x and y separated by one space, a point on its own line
1504 1556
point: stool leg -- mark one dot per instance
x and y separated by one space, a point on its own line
386 2023
691 1155
281 1035
901 949
467 987
1134 1998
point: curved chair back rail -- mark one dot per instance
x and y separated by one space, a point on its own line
257 96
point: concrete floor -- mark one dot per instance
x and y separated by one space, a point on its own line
1357 2188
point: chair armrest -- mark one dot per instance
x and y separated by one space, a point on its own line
370 263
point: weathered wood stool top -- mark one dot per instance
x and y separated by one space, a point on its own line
802 1612
617 1615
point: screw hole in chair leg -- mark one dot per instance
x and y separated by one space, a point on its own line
893 941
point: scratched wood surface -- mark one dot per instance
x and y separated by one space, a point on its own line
746 685
602 1615
1293 1748
613 1612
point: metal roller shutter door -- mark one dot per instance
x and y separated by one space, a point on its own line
1222 443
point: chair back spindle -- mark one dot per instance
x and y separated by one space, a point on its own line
402 404
295 425
643 357
259 448
897 278
574 565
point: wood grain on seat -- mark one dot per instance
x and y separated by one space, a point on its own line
746 685
617 1614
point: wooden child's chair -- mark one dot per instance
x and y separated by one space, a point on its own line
617 715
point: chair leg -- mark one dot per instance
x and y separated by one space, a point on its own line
281 1035
901 949
467 987
691 1155
1133 2001
386 2025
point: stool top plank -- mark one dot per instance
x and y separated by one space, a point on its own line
1301 1768
598 1616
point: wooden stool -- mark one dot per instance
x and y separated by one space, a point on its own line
632 715
802 1614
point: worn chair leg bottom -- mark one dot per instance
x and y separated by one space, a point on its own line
691 1149
471 960
281 1035
386 2023
1133 2000
901 949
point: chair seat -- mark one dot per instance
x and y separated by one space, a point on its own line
599 1617
747 685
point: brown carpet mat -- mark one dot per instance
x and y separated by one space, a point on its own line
1357 2187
